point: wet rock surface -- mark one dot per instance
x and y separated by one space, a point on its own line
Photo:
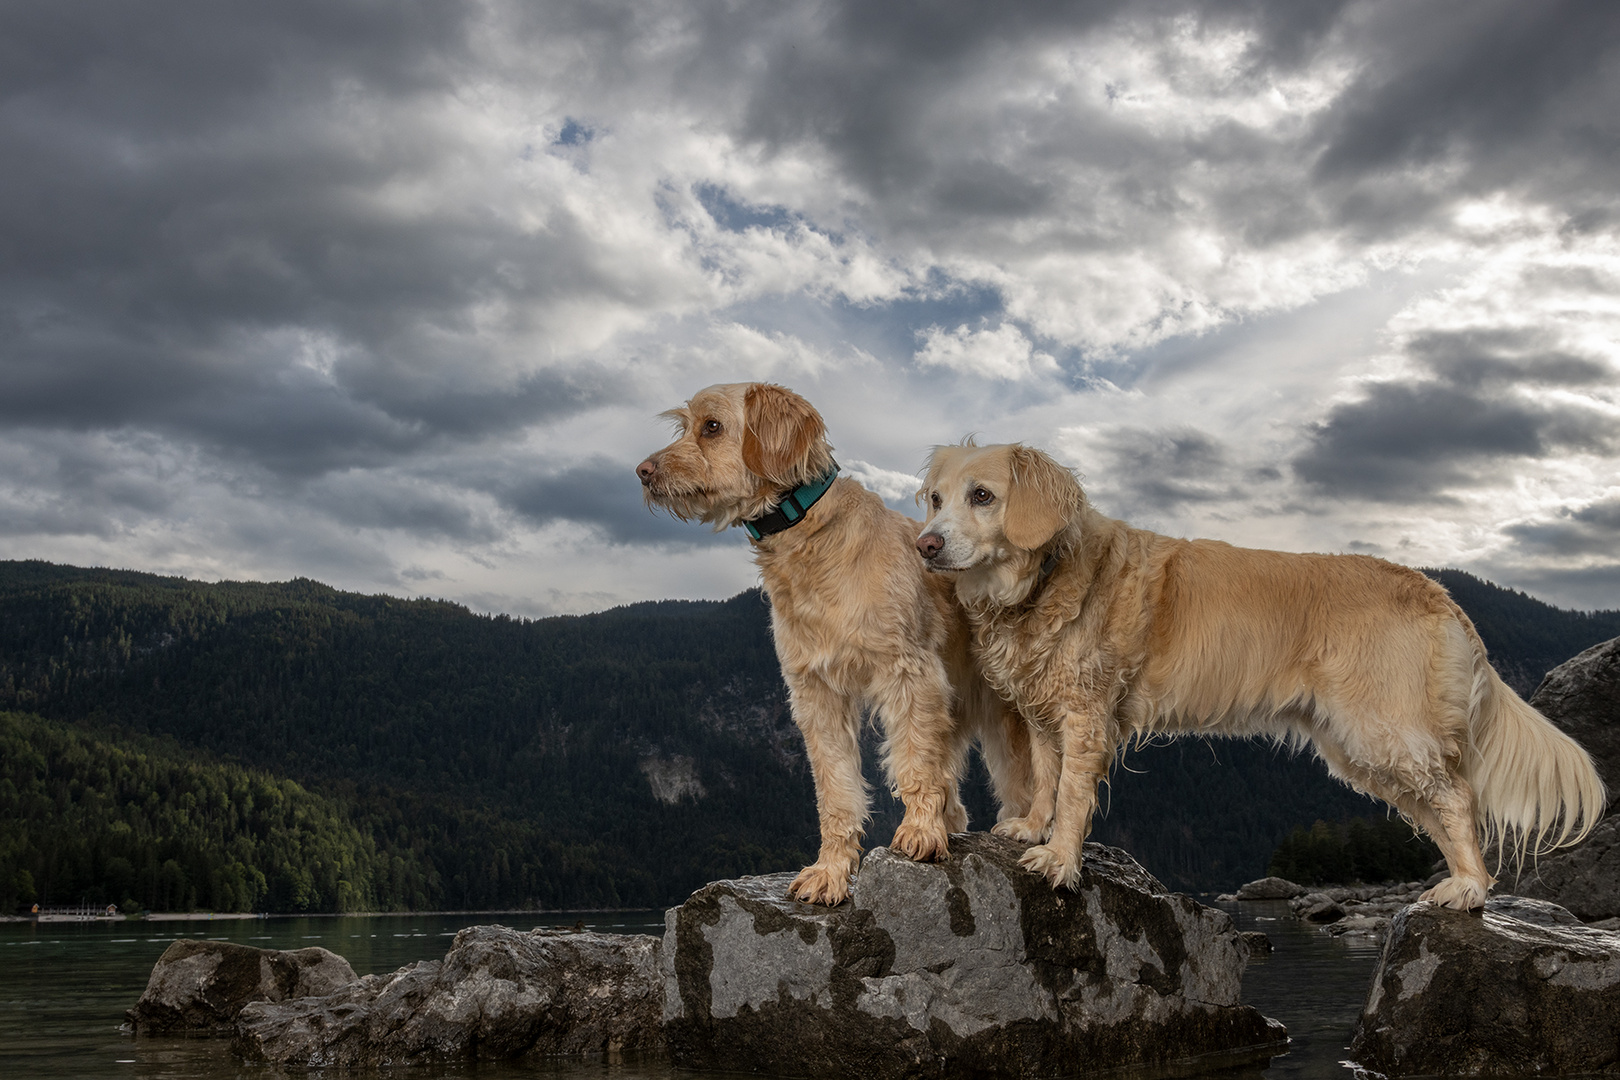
1362 911
1268 888
497 994
971 965
199 987
1521 989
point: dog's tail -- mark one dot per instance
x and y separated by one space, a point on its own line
1536 788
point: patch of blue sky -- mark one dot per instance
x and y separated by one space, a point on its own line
574 133
886 330
734 215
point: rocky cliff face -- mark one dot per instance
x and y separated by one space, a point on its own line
971 965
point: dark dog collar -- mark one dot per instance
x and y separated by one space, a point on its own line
790 511
1048 565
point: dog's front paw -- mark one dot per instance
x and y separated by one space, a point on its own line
1462 894
1025 830
1062 872
922 843
821 884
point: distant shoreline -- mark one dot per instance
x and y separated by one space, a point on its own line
223 916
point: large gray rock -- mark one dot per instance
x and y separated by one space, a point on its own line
971 966
1582 696
1584 879
1270 888
497 994
1520 989
198 987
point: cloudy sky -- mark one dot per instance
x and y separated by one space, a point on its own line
390 295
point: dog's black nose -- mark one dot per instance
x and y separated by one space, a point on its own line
930 544
646 470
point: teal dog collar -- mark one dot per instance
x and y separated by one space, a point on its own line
790 511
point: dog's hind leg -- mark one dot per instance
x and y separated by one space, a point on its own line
830 723
1445 811
1458 838
922 752
1447 815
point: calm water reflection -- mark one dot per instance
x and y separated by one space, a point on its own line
64 988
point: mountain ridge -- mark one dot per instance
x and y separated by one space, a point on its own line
619 758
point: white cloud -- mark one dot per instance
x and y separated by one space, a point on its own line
1002 352
893 487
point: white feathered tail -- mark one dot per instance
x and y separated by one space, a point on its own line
1535 787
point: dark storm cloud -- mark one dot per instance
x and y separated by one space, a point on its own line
1462 416
184 176
1500 94
1497 94
191 204
606 495
408 503
1593 529
1164 470
246 397
1585 588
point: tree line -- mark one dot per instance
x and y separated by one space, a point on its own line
493 762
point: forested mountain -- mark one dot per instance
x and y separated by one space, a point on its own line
143 825
464 761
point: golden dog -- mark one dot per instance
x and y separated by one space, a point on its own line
856 621
1098 631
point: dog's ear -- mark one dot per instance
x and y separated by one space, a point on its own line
784 439
1041 498
930 465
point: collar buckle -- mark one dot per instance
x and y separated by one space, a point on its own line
791 510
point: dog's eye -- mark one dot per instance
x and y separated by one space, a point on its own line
933 497
711 427
982 497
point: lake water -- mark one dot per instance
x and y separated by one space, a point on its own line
64 988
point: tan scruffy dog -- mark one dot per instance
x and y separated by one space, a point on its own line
1098 632
857 623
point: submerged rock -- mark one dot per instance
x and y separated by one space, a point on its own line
1520 989
497 994
971 965
198 987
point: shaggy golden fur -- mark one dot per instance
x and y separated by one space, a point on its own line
1098 632
857 623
